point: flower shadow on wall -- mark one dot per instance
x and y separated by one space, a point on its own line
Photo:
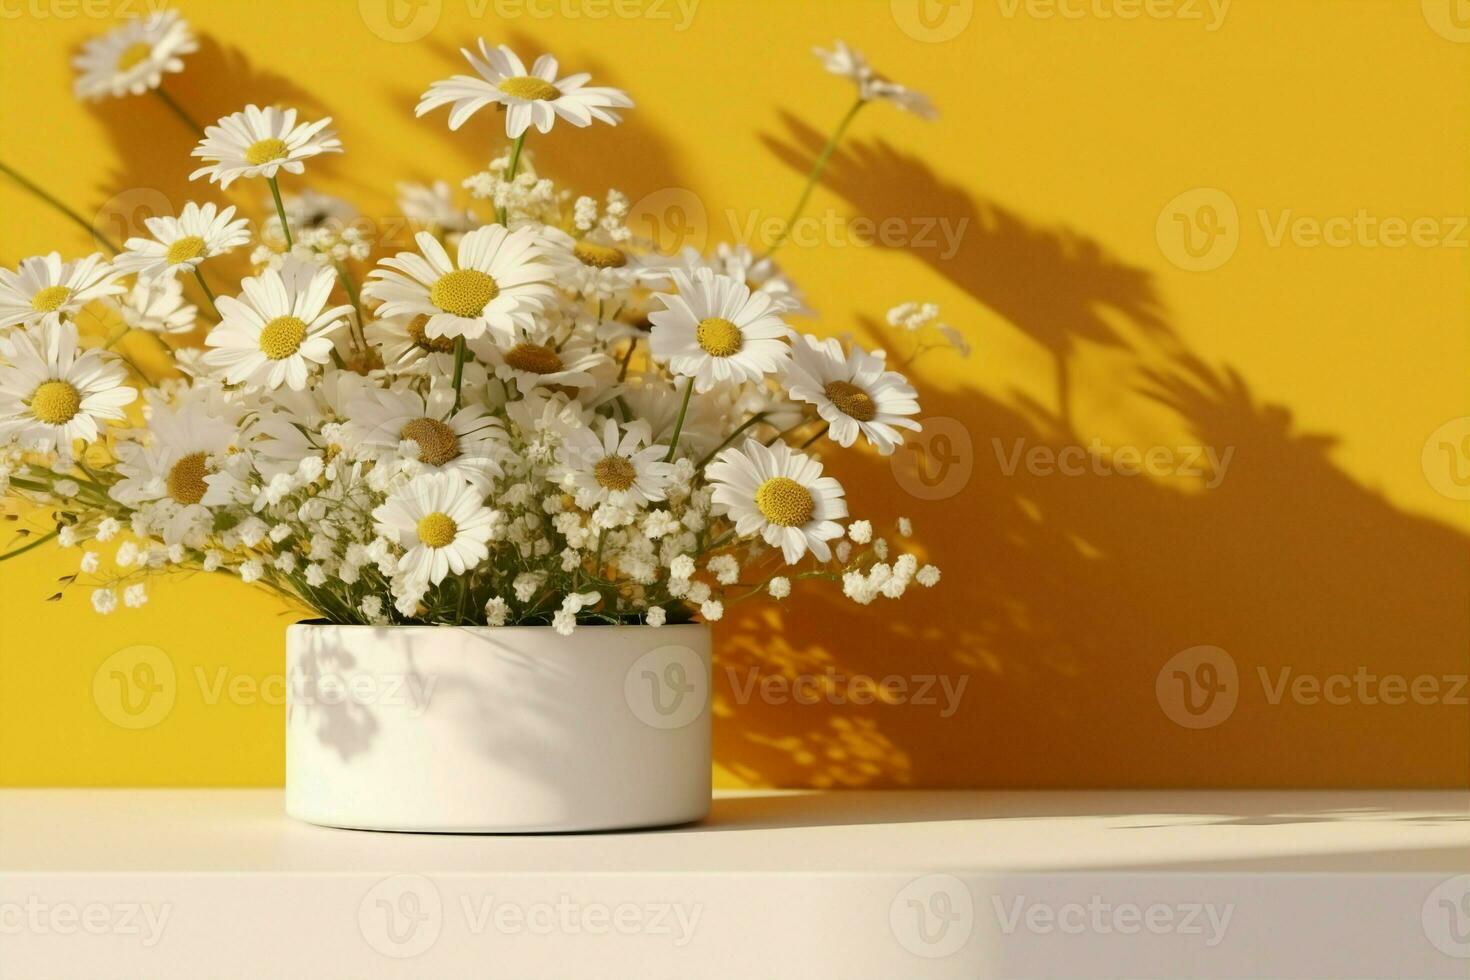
1064 596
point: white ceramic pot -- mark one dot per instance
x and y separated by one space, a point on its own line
512 729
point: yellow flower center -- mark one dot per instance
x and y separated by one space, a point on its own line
49 300
851 400
781 500
614 473
526 87
282 337
184 249
533 359
599 256
464 292
266 150
437 530
185 480
718 336
437 442
55 402
421 340
133 54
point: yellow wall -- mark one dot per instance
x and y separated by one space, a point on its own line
1334 544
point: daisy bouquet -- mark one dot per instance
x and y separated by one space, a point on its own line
526 417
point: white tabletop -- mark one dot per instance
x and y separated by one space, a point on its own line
850 884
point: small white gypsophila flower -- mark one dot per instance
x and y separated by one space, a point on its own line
127 554
90 562
107 529
779 587
497 611
724 568
928 576
371 606
252 570
861 532
104 600
67 488
905 527
135 595
656 616
67 536
711 610
682 567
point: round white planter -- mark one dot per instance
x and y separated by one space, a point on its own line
512 729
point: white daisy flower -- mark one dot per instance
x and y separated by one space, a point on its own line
760 273
499 282
407 349
432 207
278 328
43 289
258 142
295 425
181 244
442 522
174 469
715 329
467 443
158 306
533 360
52 394
850 63
780 494
529 98
619 468
133 58
853 393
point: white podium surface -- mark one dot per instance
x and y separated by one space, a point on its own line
220 883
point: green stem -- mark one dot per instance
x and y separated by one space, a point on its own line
679 422
350 286
458 368
209 293
83 222
510 170
34 544
816 435
627 359
178 110
730 438
816 174
281 212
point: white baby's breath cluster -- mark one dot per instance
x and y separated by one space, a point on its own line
530 419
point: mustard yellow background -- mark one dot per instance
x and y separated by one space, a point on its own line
1075 153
